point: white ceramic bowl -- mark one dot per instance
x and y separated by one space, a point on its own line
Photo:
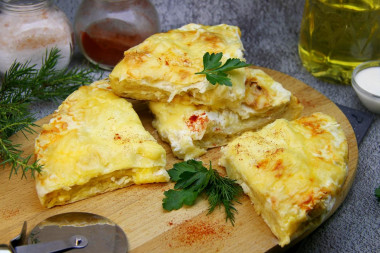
366 83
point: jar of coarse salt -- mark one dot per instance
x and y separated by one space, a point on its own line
31 28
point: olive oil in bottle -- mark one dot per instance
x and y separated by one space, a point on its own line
338 35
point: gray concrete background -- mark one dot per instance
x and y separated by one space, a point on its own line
270 35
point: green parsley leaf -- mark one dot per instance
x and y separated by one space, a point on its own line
192 178
377 193
212 61
179 168
193 181
215 73
176 199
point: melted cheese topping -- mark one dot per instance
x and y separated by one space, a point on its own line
163 67
94 143
192 129
292 171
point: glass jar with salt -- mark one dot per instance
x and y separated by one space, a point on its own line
31 28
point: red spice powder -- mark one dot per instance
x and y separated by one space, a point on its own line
195 232
193 118
9 213
197 123
105 41
117 137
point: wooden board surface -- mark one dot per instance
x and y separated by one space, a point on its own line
138 210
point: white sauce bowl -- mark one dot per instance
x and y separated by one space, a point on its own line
366 83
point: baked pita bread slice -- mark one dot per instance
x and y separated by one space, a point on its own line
291 170
95 143
163 67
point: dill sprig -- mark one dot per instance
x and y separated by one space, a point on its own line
223 191
23 84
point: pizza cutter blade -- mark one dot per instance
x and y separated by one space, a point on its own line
76 232
74 242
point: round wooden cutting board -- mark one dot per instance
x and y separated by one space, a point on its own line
138 209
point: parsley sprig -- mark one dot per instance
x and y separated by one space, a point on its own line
192 179
216 72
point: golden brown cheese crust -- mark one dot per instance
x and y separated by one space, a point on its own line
292 171
95 143
192 129
164 65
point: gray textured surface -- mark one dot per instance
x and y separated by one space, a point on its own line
270 35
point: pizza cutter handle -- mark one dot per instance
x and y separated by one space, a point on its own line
75 242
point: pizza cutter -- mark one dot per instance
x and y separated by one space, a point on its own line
70 232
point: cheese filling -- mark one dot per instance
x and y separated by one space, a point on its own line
192 129
104 183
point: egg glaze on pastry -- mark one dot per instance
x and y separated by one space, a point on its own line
162 68
192 129
95 143
291 170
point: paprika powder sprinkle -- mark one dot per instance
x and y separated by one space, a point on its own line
197 232
197 122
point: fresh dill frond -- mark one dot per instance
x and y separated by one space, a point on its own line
223 191
23 84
